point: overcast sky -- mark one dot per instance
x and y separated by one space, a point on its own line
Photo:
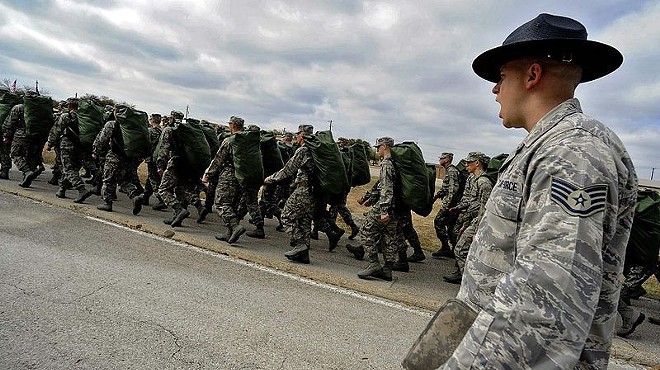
373 68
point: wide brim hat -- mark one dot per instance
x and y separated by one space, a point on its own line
553 37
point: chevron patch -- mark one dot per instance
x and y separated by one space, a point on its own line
577 201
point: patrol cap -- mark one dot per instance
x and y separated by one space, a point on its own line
476 156
446 155
176 114
155 116
306 129
73 101
192 120
384 140
288 135
254 128
238 121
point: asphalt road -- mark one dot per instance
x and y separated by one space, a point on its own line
78 293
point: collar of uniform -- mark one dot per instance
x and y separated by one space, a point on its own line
550 120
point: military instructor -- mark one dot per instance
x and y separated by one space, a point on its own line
544 271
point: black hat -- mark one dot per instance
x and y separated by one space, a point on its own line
553 37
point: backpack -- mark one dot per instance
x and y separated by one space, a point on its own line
134 127
285 151
644 242
7 101
361 175
38 114
196 153
90 121
248 164
211 137
270 153
331 181
413 184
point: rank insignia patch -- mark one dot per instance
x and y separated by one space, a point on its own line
577 201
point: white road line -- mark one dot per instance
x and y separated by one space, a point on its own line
330 287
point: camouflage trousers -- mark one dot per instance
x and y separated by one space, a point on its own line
341 210
115 172
297 216
251 198
153 180
463 245
228 198
57 165
131 175
178 191
374 232
407 230
269 202
322 218
443 223
22 154
5 159
70 155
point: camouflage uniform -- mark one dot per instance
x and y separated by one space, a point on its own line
70 149
479 196
449 194
13 131
115 164
228 192
545 268
53 143
299 207
153 177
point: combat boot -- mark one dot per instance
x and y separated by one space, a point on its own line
387 271
629 326
83 194
443 252
355 230
301 257
236 233
61 193
55 180
226 236
333 238
4 174
137 204
356 250
27 179
402 263
257 233
159 206
314 234
40 169
374 270
455 277
181 215
202 212
144 198
105 206
417 257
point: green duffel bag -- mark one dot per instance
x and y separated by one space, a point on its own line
331 180
38 114
644 242
196 152
361 174
493 168
211 137
7 101
412 183
270 153
90 121
347 158
134 126
285 151
248 164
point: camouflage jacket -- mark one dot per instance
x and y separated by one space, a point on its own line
66 124
168 147
300 164
451 185
106 140
545 268
154 138
386 181
14 125
222 165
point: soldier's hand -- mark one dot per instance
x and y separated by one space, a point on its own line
205 180
268 180
385 218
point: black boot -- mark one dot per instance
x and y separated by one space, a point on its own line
357 250
144 198
61 193
226 236
355 230
179 216
27 179
137 204
55 180
159 206
333 238
418 253
4 174
105 206
402 263
236 233
455 277
83 194
375 270
298 254
314 234
257 233
202 212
